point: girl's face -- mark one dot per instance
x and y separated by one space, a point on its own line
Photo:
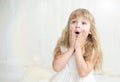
79 25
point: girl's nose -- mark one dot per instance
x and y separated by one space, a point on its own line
78 25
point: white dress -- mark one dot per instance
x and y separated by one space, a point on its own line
70 74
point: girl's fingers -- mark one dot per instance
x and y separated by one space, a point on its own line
71 37
72 34
82 36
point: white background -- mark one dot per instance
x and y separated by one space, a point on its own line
29 30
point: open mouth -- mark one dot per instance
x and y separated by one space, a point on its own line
77 32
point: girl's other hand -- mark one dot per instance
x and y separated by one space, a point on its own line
72 38
81 39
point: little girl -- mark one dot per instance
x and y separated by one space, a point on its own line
78 51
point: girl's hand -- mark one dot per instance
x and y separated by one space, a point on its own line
72 39
80 41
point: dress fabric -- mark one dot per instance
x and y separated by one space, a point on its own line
69 73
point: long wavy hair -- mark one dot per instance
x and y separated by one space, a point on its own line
92 46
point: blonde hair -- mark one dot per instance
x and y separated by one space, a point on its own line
92 42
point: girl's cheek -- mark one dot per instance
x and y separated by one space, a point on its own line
72 27
85 29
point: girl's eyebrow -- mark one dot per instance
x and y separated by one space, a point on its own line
74 19
83 19
86 20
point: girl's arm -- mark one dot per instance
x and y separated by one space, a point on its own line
84 67
61 60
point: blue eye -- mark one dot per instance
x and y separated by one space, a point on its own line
84 23
74 21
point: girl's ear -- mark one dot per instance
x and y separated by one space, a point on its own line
90 38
